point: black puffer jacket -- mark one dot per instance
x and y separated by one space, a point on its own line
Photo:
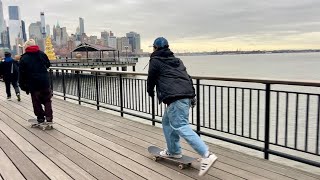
34 75
170 77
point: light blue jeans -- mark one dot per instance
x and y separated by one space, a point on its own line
175 123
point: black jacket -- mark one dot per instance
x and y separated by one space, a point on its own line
34 75
170 77
9 70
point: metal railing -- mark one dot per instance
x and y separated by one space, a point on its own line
277 117
93 62
90 60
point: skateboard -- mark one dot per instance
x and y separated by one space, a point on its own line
44 126
183 162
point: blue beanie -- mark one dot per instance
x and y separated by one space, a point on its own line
160 42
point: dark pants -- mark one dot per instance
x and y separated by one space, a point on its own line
39 98
14 83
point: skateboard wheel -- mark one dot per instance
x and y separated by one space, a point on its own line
155 158
181 166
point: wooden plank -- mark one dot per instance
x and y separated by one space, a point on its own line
130 144
152 163
99 159
223 175
225 166
114 156
222 166
259 163
7 169
88 165
62 161
242 170
25 165
113 167
47 166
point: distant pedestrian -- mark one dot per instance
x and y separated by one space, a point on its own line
175 89
10 73
34 78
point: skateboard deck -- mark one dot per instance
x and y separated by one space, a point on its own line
44 126
183 162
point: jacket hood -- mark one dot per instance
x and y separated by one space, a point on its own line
166 56
32 49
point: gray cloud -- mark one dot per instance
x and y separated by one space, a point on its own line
250 20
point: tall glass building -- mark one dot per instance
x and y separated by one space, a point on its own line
2 25
14 13
134 41
15 28
81 23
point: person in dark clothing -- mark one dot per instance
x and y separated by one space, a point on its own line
34 79
175 89
10 71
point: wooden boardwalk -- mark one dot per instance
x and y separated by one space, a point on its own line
91 144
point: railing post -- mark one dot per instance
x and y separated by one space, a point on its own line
79 87
267 122
198 106
153 111
63 85
97 90
121 94
51 78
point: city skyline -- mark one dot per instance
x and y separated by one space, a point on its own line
206 26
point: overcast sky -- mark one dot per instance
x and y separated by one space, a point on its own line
189 25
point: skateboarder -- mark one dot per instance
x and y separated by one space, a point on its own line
34 78
175 88
10 69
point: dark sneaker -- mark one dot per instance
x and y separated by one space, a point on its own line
18 97
49 119
40 119
9 98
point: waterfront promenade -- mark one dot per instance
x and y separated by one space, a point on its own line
91 144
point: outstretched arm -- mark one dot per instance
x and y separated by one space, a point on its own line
153 74
23 76
47 61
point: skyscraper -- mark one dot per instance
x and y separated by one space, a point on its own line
2 26
15 27
65 36
105 38
123 44
112 42
134 41
60 35
48 30
43 24
35 31
24 34
104 35
81 21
